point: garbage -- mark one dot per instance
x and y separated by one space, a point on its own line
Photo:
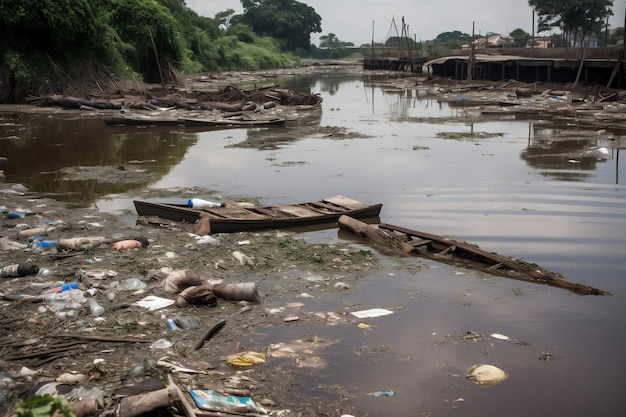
71 299
500 336
246 359
374 312
212 401
303 351
161 344
385 393
19 270
96 309
243 291
171 324
242 258
80 243
72 378
200 203
152 302
485 375
177 366
197 295
36 231
179 280
127 244
128 284
209 334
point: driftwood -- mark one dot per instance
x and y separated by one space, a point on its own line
442 249
231 99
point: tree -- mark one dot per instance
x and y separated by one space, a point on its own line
288 21
577 18
452 36
520 37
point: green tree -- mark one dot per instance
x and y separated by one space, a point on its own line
577 18
453 36
288 21
520 37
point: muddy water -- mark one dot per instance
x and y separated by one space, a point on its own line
547 195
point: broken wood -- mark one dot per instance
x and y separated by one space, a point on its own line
454 251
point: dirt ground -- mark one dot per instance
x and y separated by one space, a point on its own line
114 350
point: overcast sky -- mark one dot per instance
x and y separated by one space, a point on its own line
358 21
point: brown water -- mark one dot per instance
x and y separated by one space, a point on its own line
519 191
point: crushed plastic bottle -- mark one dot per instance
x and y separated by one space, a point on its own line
96 309
71 299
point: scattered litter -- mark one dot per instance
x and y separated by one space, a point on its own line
152 302
500 336
161 344
230 404
485 375
386 393
374 312
242 258
246 359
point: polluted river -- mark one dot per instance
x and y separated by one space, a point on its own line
344 327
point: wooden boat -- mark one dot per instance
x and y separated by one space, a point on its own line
189 122
458 252
233 217
231 122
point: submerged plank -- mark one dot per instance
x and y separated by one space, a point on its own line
454 251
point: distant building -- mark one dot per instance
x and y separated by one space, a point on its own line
492 41
541 42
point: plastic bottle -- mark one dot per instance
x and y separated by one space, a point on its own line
171 324
96 309
18 214
70 299
44 244
200 203
63 288
19 270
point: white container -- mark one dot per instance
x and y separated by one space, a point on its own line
200 203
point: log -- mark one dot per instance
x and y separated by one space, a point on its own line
375 235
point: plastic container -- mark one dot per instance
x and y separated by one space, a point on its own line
19 270
96 309
63 288
200 203
171 324
70 299
44 244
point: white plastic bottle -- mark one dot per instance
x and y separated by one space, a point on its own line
200 203
96 309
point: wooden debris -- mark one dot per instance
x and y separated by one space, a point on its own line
454 251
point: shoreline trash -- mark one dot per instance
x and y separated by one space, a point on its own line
485 375
19 270
200 203
373 312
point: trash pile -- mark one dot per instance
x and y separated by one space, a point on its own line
101 317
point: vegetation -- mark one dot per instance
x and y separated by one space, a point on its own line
288 21
49 45
577 19
43 406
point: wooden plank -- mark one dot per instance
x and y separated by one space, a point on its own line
298 211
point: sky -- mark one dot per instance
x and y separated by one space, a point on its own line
361 21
